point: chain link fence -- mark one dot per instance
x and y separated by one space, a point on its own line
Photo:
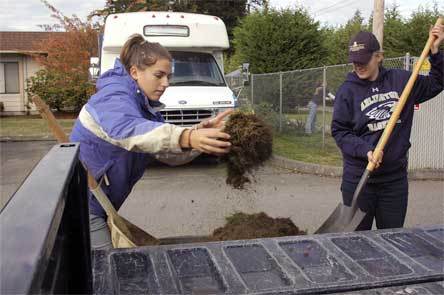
285 99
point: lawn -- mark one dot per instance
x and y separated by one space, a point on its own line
307 148
302 116
24 126
293 146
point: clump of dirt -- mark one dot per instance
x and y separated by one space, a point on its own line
251 145
241 226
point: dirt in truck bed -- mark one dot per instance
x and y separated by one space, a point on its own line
251 145
242 226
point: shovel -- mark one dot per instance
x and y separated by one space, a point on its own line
124 234
345 218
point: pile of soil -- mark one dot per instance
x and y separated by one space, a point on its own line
251 145
241 226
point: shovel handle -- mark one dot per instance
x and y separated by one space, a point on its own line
46 113
61 137
402 100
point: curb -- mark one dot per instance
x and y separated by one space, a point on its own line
333 171
26 138
306 168
282 162
426 174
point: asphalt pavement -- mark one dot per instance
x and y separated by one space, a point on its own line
194 199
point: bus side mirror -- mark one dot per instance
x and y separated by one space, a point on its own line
94 69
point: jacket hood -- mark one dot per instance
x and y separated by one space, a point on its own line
119 76
116 75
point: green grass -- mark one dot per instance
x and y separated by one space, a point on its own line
23 126
302 116
307 148
293 146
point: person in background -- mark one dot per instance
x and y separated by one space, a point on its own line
316 99
362 108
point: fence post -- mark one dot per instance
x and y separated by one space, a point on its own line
252 87
324 93
407 62
280 102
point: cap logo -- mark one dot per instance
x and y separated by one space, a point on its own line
356 47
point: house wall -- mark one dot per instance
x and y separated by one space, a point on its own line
15 104
31 67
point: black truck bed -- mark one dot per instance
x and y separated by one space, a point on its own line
45 248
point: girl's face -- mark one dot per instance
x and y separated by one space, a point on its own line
154 79
370 70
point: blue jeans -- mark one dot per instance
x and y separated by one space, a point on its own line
385 202
310 125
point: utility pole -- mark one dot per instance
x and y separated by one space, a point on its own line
266 4
378 20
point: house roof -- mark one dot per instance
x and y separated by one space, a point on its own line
22 42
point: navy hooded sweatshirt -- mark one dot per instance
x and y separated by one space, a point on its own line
362 110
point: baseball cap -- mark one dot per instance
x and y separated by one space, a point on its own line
361 47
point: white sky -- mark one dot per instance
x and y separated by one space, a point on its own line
26 15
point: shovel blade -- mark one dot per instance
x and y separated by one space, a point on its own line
342 219
346 218
124 234
355 221
140 237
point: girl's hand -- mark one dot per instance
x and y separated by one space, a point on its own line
207 140
372 159
438 32
216 122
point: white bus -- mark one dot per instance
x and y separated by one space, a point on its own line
198 89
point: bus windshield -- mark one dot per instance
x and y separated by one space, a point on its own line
195 69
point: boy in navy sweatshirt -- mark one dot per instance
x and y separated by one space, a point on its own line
363 106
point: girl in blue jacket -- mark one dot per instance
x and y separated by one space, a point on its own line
120 128
363 106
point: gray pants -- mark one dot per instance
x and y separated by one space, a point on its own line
99 232
310 125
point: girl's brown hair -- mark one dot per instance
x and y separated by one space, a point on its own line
141 53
